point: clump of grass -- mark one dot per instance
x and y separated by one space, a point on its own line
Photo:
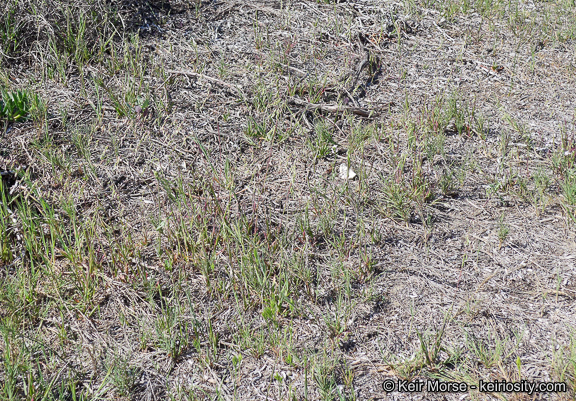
323 142
406 191
15 106
564 363
568 187
503 230
398 200
9 29
256 129
5 214
448 184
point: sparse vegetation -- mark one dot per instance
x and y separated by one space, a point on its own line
174 223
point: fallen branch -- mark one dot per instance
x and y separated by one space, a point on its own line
208 78
296 71
259 7
330 108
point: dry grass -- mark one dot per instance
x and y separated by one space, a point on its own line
173 222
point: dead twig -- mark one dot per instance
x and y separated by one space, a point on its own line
294 70
259 7
177 149
330 108
208 78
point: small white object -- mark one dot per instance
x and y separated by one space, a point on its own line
346 173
